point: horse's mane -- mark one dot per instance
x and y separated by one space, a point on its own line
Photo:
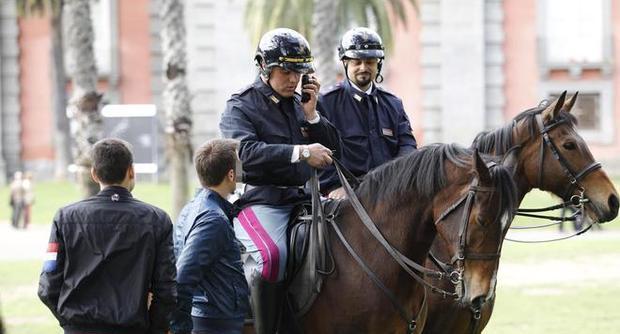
506 188
499 141
421 171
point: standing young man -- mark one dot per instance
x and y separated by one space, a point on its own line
281 139
107 253
371 121
212 290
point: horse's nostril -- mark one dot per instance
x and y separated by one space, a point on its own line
478 301
613 206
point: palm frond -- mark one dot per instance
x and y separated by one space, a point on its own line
382 20
263 15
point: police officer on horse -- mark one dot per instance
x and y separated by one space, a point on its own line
281 140
371 121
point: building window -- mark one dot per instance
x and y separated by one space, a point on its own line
593 108
587 110
575 34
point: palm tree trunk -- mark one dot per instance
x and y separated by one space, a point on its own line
62 148
325 40
176 100
86 120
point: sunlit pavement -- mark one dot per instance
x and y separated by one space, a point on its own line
29 244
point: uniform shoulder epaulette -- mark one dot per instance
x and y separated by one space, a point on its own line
333 88
244 90
384 91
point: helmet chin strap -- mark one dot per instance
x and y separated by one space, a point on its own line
264 72
346 69
379 77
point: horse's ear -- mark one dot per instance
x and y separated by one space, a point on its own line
484 177
570 103
553 110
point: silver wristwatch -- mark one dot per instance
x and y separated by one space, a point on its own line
305 153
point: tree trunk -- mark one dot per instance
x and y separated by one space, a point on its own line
62 148
86 120
325 40
176 101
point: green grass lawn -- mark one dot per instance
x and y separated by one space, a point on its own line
50 196
21 309
566 309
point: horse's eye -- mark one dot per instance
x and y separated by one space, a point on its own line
570 146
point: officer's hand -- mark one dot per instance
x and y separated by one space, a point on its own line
337 194
313 89
320 156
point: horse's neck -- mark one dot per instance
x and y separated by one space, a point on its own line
523 186
408 228
519 176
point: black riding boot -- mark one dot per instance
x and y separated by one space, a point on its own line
267 301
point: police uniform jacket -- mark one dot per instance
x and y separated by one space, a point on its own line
210 279
374 129
106 253
268 126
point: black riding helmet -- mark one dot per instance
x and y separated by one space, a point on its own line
362 43
285 48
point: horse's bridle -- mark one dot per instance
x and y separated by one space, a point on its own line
574 177
457 266
457 263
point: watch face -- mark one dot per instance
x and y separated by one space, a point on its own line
305 153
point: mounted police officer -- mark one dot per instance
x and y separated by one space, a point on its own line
281 139
371 121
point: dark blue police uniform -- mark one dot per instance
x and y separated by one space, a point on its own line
374 129
268 126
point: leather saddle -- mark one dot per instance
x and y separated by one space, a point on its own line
309 259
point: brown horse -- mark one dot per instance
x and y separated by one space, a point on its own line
548 154
410 199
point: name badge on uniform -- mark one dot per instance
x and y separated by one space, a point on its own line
387 132
274 99
357 97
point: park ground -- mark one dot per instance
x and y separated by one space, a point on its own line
571 286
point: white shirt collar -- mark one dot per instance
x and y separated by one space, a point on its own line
368 91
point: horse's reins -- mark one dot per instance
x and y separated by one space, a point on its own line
455 276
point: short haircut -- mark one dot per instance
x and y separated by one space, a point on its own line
214 159
111 159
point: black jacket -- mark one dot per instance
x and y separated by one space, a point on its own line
105 254
268 127
374 129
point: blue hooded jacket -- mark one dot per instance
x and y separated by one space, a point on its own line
210 279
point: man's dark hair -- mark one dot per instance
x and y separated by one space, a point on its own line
214 159
111 158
